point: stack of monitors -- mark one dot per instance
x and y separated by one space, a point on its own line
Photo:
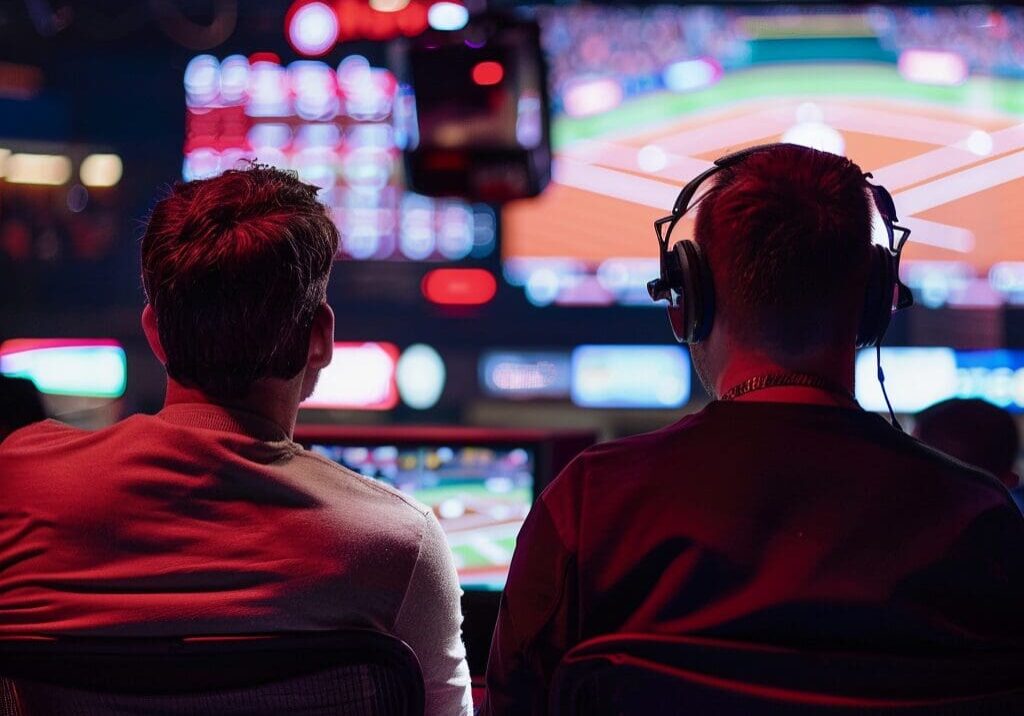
336 127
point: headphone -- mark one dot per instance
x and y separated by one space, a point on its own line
686 283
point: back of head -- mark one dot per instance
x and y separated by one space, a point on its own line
234 267
20 405
787 233
973 431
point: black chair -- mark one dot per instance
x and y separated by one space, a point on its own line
628 674
358 672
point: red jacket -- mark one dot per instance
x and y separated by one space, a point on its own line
772 523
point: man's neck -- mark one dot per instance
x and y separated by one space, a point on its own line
835 374
273 400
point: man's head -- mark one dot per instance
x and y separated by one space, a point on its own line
974 432
787 234
235 269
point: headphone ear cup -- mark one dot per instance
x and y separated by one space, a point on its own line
677 319
696 291
672 279
879 298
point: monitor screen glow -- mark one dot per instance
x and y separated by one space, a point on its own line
625 376
919 377
72 367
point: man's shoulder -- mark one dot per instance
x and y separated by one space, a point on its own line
632 445
374 490
39 436
47 435
646 447
941 464
359 505
625 463
696 434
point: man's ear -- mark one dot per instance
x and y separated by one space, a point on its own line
321 339
152 334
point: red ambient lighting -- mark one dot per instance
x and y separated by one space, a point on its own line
459 287
264 57
488 73
357 20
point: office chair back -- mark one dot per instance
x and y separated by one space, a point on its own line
356 672
629 674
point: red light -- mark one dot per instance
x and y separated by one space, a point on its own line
488 73
459 287
16 345
413 19
264 57
380 25
446 161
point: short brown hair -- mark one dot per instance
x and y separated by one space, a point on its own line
787 233
234 268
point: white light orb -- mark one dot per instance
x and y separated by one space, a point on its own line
420 376
447 16
652 158
980 142
313 29
816 135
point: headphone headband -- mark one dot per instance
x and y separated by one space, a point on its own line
682 280
682 204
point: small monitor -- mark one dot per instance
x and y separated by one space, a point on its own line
480 483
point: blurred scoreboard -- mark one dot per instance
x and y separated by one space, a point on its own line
339 129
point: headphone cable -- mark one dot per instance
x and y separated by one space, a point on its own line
885 393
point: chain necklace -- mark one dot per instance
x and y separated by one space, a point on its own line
779 380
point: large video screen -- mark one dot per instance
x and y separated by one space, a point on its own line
931 100
480 495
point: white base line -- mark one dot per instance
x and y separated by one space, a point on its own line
959 185
870 120
946 159
728 133
615 184
943 236
490 550
619 156
490 530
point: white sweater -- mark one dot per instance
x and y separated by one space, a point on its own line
200 520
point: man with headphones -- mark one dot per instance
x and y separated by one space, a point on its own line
782 513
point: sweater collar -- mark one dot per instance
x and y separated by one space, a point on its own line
215 417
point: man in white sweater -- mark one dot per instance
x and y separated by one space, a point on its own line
207 518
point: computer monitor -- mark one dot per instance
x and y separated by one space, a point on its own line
480 483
